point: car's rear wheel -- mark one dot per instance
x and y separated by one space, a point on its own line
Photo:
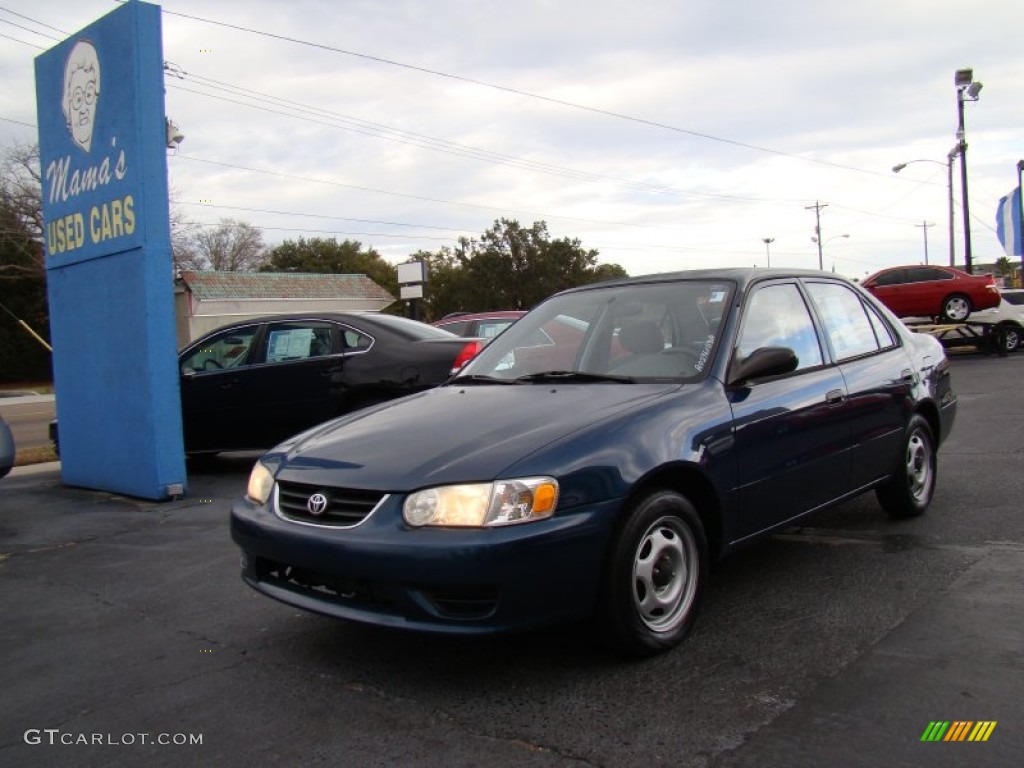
657 568
956 308
1008 338
909 491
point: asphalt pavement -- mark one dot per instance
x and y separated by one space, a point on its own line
128 638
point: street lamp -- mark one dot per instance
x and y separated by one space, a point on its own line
966 90
949 184
821 244
767 248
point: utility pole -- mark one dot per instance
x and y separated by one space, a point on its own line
817 227
924 227
767 249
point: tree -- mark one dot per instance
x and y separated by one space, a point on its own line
510 267
21 208
1004 268
22 271
328 256
230 246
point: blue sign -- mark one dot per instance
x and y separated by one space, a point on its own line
102 148
92 115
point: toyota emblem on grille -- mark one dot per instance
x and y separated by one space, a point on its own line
316 504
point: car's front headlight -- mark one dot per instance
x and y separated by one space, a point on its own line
261 483
503 502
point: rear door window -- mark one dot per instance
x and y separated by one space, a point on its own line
297 341
851 331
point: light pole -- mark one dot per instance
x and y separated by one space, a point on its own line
949 185
767 248
966 90
817 228
924 226
821 244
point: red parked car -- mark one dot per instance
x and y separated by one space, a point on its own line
484 325
929 291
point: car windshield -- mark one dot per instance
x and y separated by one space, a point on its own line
618 333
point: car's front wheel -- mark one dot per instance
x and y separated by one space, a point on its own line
657 569
956 308
909 491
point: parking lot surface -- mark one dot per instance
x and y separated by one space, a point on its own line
128 638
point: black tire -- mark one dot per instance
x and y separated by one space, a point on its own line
909 492
1009 338
655 576
956 308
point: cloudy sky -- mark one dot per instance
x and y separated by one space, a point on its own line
667 135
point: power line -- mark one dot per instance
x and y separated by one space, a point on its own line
358 188
18 122
34 21
318 216
519 92
31 45
389 133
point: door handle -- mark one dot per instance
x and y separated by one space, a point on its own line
907 376
835 396
227 383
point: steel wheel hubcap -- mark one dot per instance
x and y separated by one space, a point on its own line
919 466
665 574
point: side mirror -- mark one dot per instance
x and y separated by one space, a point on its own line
764 361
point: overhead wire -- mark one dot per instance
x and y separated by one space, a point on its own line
383 131
519 92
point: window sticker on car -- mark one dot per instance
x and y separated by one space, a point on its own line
292 344
716 297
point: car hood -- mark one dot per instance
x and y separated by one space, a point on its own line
450 434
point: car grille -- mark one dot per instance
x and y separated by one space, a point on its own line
345 507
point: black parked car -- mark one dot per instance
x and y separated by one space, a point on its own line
596 456
252 384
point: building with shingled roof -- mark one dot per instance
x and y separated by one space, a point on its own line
207 300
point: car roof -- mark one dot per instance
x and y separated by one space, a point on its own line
377 320
500 314
742 276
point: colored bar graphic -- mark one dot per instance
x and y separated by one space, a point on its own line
982 730
958 730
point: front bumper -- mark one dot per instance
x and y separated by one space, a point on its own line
457 581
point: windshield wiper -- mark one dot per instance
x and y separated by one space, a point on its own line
580 376
476 378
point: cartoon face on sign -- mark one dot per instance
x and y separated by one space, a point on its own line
81 92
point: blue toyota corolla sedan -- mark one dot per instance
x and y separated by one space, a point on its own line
593 459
